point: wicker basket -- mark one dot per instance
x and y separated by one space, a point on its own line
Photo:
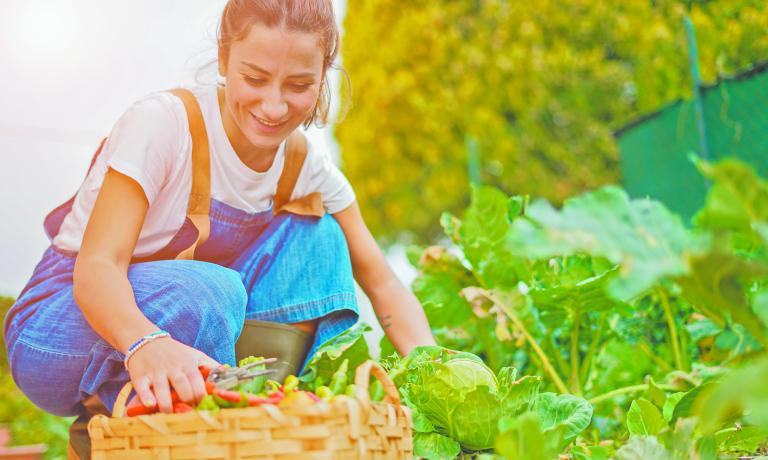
348 428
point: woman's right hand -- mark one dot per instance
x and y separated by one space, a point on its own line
166 363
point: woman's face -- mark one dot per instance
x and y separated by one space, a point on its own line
273 81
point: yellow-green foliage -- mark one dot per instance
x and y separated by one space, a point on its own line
540 85
28 424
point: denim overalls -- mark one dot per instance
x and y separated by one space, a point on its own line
284 268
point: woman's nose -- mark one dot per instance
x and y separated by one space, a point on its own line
273 106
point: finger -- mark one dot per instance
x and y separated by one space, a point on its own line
162 393
205 360
197 383
181 384
143 390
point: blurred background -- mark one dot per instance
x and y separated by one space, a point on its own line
547 98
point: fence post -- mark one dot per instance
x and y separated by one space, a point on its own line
473 159
693 57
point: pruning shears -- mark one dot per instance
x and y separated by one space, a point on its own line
219 381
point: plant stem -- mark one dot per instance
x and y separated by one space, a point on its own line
586 364
643 345
574 379
629 389
555 353
545 362
672 328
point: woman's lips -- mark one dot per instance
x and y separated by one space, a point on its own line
270 128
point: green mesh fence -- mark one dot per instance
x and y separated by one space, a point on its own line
654 150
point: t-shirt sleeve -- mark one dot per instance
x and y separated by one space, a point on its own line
144 143
321 175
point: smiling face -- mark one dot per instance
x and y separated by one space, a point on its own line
273 78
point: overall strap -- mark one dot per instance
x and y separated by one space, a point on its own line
295 154
199 207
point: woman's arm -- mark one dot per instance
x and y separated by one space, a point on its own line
400 313
101 287
105 296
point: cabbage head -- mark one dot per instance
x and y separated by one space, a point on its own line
460 396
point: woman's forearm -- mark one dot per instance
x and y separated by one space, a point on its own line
105 296
401 316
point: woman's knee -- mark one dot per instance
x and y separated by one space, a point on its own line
190 296
49 379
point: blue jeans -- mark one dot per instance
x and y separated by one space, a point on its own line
285 269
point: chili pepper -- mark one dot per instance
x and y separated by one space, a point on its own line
319 382
290 384
221 402
376 391
325 393
271 386
300 398
208 403
350 390
339 378
234 397
181 407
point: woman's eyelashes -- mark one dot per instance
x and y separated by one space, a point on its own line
298 87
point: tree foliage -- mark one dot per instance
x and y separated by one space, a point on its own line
539 86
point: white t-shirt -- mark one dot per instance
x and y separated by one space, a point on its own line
151 144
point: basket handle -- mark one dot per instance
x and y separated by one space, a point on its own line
362 383
118 410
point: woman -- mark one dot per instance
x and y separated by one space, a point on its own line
195 217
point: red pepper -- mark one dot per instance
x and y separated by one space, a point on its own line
181 407
313 396
135 407
234 397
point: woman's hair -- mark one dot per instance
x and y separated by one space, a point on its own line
312 16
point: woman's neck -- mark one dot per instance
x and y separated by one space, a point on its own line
256 159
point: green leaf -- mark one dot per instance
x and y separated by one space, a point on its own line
702 329
350 345
670 403
741 390
584 296
525 439
483 233
476 421
685 407
717 283
657 395
421 423
570 412
641 236
435 446
516 206
644 419
643 448
741 441
737 198
517 396
590 453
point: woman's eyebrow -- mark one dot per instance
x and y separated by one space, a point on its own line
259 69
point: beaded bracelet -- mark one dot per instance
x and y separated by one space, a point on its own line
141 342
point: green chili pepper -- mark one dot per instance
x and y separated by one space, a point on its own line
290 384
339 378
319 382
350 390
208 403
221 402
324 392
376 391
